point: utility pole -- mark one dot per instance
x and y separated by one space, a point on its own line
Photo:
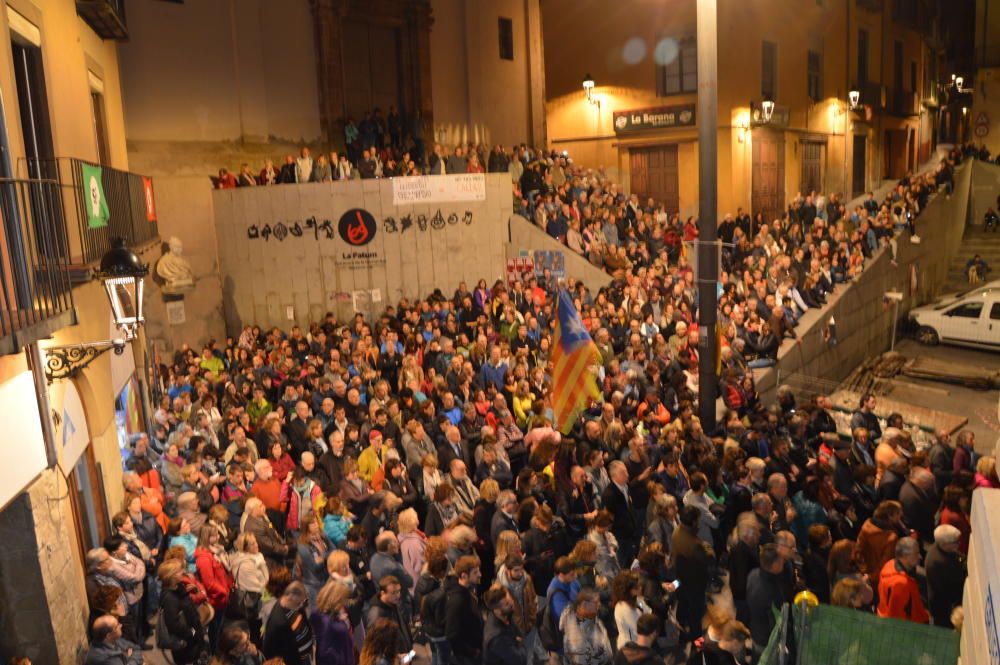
708 250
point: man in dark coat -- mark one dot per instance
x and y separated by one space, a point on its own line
946 573
617 500
920 502
503 643
388 605
693 560
764 591
463 619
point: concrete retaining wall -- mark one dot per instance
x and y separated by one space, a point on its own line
863 320
525 237
985 188
275 277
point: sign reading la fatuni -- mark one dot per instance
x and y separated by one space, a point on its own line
660 117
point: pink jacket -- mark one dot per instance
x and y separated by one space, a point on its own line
291 500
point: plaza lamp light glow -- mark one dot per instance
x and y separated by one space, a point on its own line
854 97
122 275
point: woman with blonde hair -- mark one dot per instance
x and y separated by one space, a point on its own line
331 625
508 542
849 592
412 544
338 565
250 575
430 476
523 399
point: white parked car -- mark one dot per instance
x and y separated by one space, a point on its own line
968 318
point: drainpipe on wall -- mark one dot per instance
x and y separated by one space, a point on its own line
37 364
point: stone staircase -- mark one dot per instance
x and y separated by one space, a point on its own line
975 241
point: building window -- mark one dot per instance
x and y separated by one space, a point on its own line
862 57
769 70
506 39
814 83
681 75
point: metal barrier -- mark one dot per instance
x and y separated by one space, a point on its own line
828 635
34 255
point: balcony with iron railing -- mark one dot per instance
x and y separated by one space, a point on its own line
131 216
105 17
36 296
48 243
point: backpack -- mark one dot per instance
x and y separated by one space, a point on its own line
164 640
549 632
432 611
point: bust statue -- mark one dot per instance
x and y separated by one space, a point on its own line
175 269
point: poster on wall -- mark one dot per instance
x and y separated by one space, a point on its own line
74 434
552 260
519 269
439 188
128 420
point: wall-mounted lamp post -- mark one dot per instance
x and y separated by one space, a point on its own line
122 275
588 86
854 97
767 109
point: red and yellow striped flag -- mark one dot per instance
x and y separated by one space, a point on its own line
573 355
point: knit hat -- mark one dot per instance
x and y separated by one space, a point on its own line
374 434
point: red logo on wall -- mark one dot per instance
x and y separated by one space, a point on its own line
357 227
147 188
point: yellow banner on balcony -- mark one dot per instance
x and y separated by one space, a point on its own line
95 202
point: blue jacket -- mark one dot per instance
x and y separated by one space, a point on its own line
335 527
561 595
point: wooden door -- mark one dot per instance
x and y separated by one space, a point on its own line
768 174
812 168
654 174
858 166
371 68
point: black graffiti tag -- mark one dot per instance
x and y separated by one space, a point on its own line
468 217
296 230
390 225
253 232
422 222
437 221
280 231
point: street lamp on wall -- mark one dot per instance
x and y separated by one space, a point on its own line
767 109
588 87
854 97
122 275
959 81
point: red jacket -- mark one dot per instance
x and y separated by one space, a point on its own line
215 577
899 595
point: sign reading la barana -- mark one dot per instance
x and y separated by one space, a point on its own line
661 117
439 188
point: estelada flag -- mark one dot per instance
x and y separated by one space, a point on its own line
573 356
147 188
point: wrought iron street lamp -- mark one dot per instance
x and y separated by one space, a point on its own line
767 109
123 276
854 97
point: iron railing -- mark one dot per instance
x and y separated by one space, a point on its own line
126 197
35 287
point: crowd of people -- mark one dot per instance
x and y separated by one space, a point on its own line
341 494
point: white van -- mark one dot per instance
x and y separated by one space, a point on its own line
969 318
